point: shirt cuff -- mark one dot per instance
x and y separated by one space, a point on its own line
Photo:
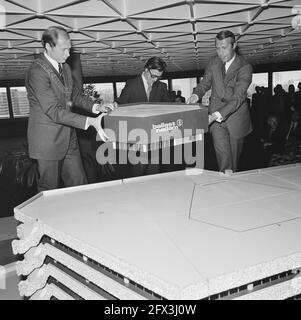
219 116
87 124
196 97
94 110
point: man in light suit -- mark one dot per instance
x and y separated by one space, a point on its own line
145 88
229 76
51 93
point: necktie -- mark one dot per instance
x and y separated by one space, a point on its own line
61 73
149 89
224 70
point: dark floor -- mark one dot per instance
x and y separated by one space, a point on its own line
6 255
11 144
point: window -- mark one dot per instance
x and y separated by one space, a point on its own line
119 87
184 85
19 101
104 90
260 80
4 113
286 78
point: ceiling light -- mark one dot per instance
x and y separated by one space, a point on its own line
264 3
296 21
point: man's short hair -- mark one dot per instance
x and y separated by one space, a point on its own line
155 63
226 34
51 35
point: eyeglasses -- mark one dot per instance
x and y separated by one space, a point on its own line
154 76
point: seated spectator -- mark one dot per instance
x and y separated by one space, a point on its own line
282 149
178 100
273 140
179 95
173 96
291 152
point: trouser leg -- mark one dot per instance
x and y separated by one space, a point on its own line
49 174
236 149
222 146
73 173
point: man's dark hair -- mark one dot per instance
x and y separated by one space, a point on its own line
51 35
226 34
155 63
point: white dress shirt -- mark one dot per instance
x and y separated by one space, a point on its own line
146 84
52 61
227 66
228 63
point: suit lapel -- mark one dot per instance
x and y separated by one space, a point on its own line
141 88
217 70
53 75
154 90
232 69
53 69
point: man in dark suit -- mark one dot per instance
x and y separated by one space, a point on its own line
51 93
229 76
145 88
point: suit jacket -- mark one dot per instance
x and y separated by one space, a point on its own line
51 121
134 91
229 94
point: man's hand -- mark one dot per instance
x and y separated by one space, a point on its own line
105 107
211 118
192 99
96 123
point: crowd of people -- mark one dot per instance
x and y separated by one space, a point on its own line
176 96
276 122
